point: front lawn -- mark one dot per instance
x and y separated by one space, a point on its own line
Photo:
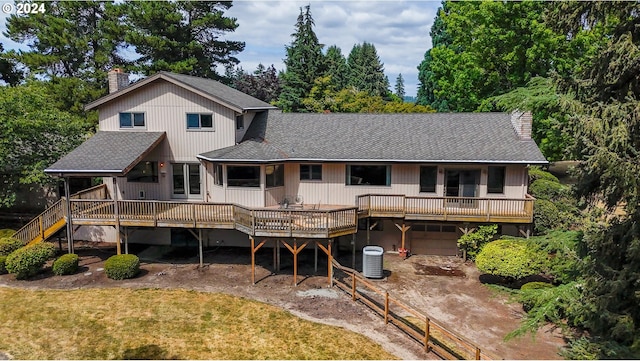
117 323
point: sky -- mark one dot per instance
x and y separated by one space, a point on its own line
398 29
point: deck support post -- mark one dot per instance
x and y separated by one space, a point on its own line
254 249
353 249
68 211
295 250
368 230
315 257
200 251
278 255
116 214
327 251
404 228
525 230
126 240
466 230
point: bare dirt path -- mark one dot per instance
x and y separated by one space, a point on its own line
458 301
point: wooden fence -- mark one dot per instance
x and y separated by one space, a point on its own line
429 333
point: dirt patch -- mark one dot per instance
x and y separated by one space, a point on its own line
445 288
425 270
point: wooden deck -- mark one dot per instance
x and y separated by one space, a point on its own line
461 209
93 207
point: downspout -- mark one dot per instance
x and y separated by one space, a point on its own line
68 211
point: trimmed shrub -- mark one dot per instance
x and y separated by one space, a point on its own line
471 242
536 173
548 190
8 245
3 267
122 266
65 265
512 259
6 232
546 216
28 261
535 286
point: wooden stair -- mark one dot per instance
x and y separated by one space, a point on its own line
45 225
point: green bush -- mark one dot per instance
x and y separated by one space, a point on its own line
122 266
8 245
549 190
3 267
512 259
27 261
546 216
535 286
562 247
6 233
471 242
536 173
65 265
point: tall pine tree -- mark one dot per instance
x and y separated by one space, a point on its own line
399 88
337 67
304 63
181 36
366 71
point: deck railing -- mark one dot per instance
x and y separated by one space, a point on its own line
257 222
447 208
96 192
45 220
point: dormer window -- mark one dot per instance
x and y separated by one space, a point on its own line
197 121
239 122
132 120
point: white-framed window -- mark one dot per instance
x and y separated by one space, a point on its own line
132 120
243 176
368 175
186 180
217 174
198 121
274 175
428 178
310 171
495 179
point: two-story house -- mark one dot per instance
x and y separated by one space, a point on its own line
185 157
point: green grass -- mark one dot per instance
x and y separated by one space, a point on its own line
164 324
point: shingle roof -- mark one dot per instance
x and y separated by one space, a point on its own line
209 88
429 137
107 153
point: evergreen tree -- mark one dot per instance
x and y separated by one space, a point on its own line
8 72
399 88
366 72
70 39
304 63
181 36
337 67
606 124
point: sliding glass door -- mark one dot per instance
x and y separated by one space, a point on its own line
186 180
462 183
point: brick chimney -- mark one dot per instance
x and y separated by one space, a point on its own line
521 122
118 80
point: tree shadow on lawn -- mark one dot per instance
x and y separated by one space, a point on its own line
148 352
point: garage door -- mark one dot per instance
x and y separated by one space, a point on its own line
434 239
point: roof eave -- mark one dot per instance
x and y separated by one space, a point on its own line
328 160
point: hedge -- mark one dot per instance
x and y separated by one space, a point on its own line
67 264
28 261
546 216
549 190
122 266
8 245
512 259
3 267
536 173
6 232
